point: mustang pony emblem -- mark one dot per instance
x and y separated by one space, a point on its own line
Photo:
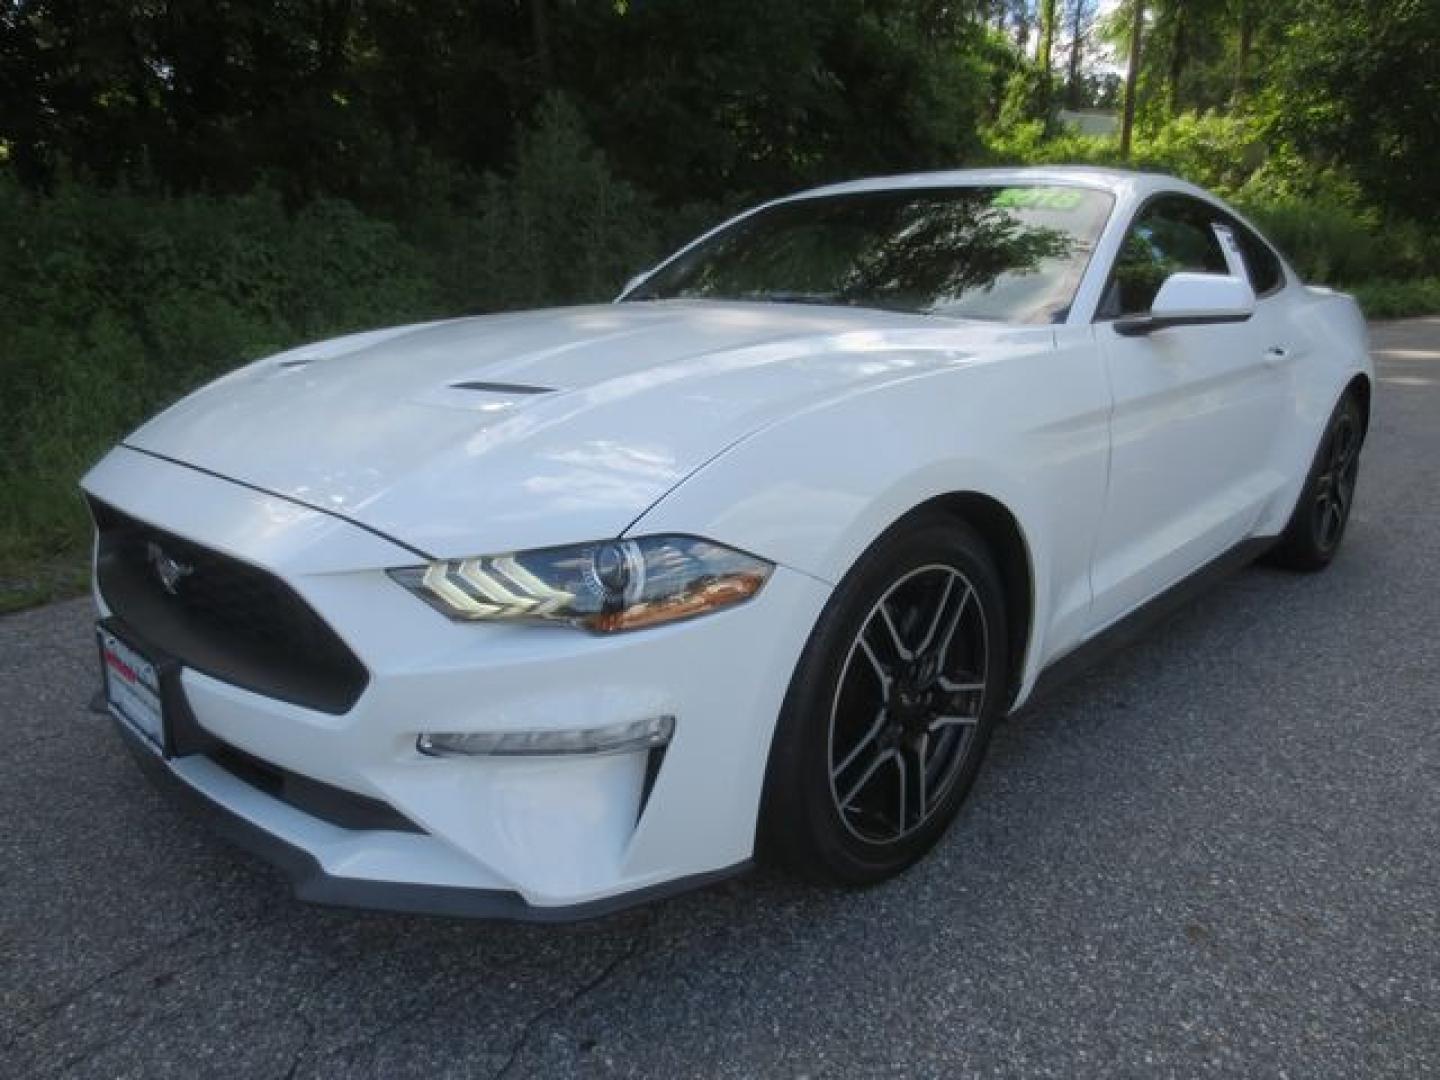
168 570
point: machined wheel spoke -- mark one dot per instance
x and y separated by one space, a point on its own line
870 771
865 740
962 702
950 686
935 621
1329 514
897 643
1344 446
922 776
942 722
881 671
942 650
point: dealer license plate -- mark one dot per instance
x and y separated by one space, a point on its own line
132 688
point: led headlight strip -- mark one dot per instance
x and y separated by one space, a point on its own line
607 586
492 589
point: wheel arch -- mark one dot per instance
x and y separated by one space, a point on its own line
1361 388
1003 534
1001 530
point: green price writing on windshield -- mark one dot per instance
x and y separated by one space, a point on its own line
1037 198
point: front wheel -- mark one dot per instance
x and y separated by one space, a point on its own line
891 707
1317 526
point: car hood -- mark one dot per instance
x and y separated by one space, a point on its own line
536 428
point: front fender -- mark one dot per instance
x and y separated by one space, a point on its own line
1029 430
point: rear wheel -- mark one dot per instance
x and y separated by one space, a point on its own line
891 707
1317 526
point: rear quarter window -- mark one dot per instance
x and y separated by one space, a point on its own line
1261 263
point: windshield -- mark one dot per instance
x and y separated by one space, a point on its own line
1009 254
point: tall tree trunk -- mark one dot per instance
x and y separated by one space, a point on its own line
1078 15
1046 51
1245 39
1132 79
1179 42
1043 55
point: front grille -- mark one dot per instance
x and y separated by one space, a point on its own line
224 617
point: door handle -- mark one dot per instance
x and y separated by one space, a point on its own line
1276 354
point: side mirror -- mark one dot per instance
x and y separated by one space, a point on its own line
1193 300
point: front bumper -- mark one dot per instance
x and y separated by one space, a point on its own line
527 838
208 792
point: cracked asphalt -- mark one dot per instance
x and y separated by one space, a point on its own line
1216 854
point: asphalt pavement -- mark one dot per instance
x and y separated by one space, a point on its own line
1216 854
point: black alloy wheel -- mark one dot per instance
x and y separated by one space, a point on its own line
891 707
1318 523
907 704
1335 484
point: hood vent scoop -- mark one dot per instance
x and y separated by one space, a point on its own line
502 388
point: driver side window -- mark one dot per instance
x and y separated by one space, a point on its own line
1171 235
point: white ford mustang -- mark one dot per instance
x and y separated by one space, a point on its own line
534 615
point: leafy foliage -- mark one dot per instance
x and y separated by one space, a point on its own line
1357 88
117 301
186 184
558 227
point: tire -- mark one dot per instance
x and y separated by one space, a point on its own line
842 717
1317 525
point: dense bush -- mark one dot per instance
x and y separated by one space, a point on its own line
1397 299
115 303
559 227
1336 245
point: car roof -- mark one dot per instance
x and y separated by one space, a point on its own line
1119 182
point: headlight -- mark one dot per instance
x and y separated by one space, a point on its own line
607 586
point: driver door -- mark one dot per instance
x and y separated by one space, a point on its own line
1195 416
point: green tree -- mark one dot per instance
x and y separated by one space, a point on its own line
1357 86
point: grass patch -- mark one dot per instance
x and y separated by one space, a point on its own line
44 541
1399 299
26 583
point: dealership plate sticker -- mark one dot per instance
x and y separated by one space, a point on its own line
132 689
